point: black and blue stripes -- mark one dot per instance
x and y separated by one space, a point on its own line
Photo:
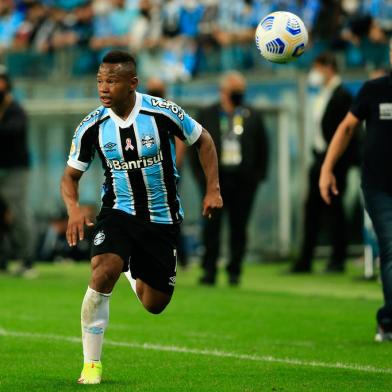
138 156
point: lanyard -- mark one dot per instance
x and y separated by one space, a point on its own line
235 126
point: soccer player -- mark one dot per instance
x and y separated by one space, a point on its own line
137 228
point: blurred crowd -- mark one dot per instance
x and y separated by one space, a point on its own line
186 37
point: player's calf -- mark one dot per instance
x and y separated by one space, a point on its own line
154 301
106 269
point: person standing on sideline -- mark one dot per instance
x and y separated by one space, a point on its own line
137 228
330 106
14 181
373 105
241 142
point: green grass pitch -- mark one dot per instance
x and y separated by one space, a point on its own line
273 333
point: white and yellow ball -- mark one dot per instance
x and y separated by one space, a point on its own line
281 37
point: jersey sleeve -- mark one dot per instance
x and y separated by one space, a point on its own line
360 105
82 148
185 127
190 129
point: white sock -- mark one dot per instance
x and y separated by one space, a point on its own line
94 319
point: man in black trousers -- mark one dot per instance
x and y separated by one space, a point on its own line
17 241
241 144
330 107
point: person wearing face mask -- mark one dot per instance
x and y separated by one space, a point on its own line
330 106
242 148
14 181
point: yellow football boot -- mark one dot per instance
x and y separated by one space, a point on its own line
91 373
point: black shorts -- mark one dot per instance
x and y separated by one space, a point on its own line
148 250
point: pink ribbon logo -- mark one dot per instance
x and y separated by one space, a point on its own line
129 145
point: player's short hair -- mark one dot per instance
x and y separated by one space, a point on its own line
327 59
120 57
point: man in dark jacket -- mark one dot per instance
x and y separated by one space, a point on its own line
330 106
14 179
241 144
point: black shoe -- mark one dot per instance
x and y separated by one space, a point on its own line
234 280
207 279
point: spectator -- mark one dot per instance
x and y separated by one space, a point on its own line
10 21
146 31
156 87
330 106
14 180
113 25
81 34
235 31
145 38
241 143
170 15
366 42
36 30
381 12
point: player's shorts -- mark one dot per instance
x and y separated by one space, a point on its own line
148 250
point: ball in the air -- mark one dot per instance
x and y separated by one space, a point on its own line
281 37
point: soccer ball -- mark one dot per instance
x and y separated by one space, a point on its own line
281 37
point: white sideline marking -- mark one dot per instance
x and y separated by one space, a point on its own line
210 353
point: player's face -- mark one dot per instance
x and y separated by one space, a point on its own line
116 85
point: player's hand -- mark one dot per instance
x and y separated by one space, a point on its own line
212 201
327 185
75 229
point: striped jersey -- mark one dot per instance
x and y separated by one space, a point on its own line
138 156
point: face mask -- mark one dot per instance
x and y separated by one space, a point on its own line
156 93
145 13
316 78
236 97
2 96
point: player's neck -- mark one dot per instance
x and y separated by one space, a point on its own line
125 110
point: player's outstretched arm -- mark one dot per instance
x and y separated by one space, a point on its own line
209 162
338 145
70 194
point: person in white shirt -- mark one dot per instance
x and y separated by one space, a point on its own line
330 106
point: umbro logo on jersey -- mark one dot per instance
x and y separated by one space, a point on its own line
148 141
109 146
